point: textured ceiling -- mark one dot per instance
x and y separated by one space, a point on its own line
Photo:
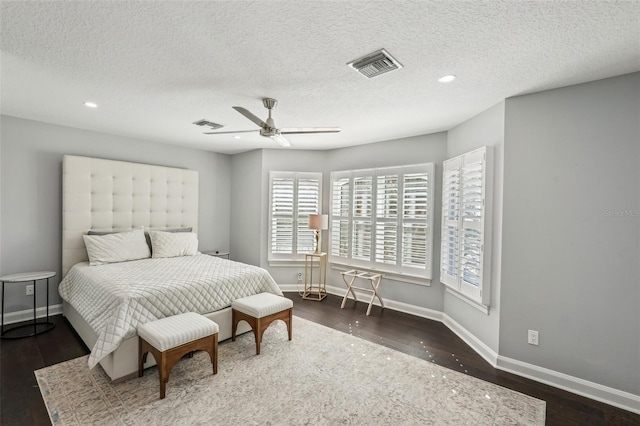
156 67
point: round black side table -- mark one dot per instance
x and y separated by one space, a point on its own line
39 327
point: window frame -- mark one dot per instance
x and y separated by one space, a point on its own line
297 253
477 221
399 270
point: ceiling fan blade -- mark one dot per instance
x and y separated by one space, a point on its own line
293 130
281 140
250 116
227 133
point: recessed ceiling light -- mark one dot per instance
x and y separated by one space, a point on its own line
91 104
237 137
447 78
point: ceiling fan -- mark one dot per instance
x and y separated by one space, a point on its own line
268 129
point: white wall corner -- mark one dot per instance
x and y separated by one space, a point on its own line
476 344
611 396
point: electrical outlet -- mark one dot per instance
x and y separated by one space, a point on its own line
532 337
299 277
30 290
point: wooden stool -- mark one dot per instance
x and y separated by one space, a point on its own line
259 311
169 339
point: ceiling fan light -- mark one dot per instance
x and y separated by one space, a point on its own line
281 140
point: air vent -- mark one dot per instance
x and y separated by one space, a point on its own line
376 63
211 124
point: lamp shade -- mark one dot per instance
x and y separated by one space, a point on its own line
318 221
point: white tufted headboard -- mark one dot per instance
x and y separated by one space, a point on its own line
109 195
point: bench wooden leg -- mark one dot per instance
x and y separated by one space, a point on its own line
234 325
164 375
214 359
142 356
258 331
259 325
167 359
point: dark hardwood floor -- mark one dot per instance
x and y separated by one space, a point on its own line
20 400
21 403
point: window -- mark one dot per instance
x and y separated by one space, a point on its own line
381 219
293 197
464 259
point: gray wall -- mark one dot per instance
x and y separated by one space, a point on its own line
31 193
571 254
285 160
249 206
485 129
246 205
0 196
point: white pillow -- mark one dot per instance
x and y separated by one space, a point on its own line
118 247
173 244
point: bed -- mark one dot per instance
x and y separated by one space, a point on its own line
105 302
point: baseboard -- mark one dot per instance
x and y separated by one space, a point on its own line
295 288
476 344
27 314
366 297
617 398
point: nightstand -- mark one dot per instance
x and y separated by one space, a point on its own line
20 278
216 253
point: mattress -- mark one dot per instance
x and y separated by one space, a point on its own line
115 298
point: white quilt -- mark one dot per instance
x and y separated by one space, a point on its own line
115 298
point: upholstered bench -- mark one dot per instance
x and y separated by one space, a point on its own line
259 311
169 339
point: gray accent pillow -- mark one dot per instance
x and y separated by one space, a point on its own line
146 233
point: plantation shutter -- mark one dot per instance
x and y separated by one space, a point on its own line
340 215
449 252
471 212
463 263
386 240
308 203
293 197
362 217
381 219
472 203
416 240
282 199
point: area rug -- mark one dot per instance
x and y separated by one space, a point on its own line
321 377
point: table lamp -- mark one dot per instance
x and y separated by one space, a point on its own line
318 222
